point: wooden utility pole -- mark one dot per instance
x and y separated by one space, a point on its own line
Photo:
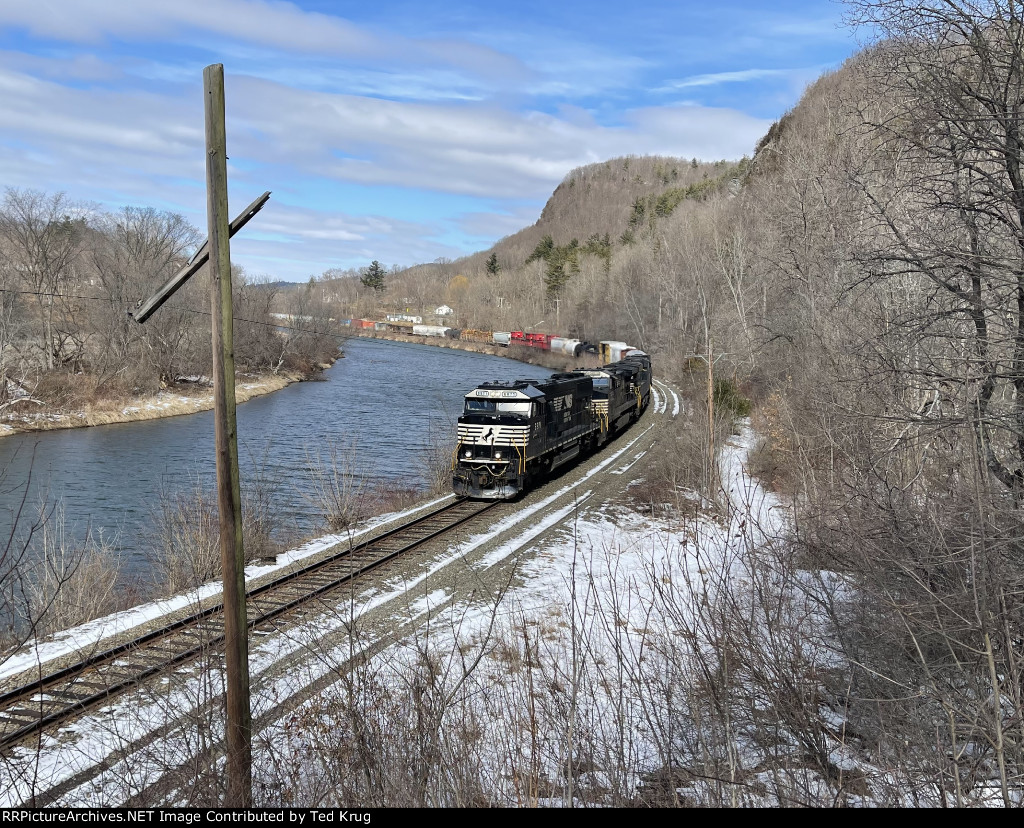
711 419
238 733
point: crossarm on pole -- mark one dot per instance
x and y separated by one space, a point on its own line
147 308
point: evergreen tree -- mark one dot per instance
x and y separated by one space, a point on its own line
373 276
492 265
543 249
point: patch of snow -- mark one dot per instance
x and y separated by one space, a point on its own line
599 578
628 466
756 512
658 400
89 636
669 391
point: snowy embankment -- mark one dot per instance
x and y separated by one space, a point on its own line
571 667
578 678
99 634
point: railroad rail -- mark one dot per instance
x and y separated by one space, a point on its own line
65 693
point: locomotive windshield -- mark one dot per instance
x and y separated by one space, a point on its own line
601 382
491 406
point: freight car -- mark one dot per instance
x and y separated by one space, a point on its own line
398 326
472 335
572 347
429 330
512 434
545 342
610 351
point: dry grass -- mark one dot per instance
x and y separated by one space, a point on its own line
72 582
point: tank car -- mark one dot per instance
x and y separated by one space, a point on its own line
511 433
429 330
563 345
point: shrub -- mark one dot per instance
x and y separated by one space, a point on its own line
728 398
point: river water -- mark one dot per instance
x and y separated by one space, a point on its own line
382 406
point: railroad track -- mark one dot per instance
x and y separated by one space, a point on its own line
64 694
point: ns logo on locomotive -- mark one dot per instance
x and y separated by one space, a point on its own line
511 434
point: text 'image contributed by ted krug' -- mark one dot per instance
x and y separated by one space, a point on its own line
195 816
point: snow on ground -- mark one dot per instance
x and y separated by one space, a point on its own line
89 637
657 400
669 391
594 585
762 514
596 582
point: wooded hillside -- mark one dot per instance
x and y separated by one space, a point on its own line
862 278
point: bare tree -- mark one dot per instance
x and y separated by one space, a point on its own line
132 253
41 234
951 220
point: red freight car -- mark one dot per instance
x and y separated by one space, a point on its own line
532 340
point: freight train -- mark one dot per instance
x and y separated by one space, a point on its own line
512 434
410 325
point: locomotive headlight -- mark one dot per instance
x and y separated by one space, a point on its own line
468 454
497 455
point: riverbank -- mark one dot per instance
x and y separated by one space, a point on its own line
185 398
190 398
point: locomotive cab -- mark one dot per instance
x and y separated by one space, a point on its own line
511 432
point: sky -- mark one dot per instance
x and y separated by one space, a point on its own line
396 131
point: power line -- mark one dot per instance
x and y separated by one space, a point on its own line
185 308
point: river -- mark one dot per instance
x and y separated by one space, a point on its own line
382 406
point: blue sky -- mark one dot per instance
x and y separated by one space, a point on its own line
396 131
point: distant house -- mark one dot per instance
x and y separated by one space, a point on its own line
444 310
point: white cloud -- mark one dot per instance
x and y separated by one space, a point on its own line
268 23
292 243
715 78
76 67
282 220
275 23
123 127
479 150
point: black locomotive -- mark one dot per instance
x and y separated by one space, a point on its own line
512 433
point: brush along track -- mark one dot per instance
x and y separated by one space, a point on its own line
66 693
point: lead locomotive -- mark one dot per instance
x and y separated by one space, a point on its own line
512 433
